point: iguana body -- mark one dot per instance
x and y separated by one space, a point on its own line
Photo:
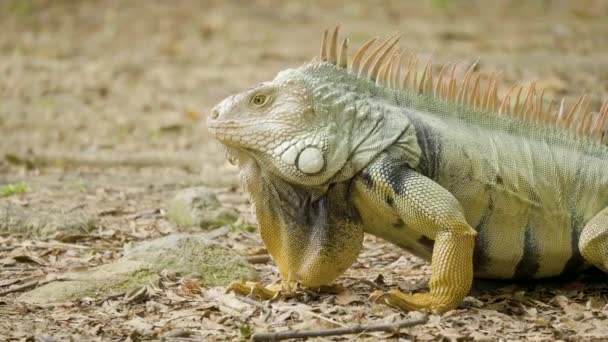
481 187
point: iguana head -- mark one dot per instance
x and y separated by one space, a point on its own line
313 125
275 123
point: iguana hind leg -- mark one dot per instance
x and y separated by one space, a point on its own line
593 242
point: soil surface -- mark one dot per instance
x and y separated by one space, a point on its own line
102 105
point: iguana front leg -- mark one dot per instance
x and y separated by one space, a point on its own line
432 211
451 278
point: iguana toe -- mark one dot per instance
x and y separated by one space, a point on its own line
252 289
424 302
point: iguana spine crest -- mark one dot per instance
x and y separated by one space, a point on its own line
384 64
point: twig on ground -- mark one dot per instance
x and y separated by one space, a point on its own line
323 318
266 310
389 327
30 285
258 259
24 287
109 297
103 159
371 284
42 244
198 314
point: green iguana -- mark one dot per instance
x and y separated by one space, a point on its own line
503 187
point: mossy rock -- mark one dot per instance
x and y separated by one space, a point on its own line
40 223
193 254
184 254
117 277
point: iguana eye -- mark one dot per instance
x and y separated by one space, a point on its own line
259 100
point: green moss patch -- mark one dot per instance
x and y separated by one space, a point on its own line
13 189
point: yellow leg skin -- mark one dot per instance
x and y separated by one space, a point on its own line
593 242
452 267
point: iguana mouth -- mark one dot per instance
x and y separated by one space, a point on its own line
234 155
305 154
225 131
232 159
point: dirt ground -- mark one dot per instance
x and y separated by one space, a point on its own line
102 105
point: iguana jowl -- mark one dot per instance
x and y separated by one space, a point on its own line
482 186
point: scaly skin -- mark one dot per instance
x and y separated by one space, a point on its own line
326 155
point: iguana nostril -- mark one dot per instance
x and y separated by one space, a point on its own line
215 114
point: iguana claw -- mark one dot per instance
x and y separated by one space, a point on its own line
252 289
424 302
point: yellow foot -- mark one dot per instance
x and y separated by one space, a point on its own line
253 289
283 289
424 302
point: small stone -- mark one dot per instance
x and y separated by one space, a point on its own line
175 333
199 207
471 302
579 316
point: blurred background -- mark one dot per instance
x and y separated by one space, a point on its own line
107 81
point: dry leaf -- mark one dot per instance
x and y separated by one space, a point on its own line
347 297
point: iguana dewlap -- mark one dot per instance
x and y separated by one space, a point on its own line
506 188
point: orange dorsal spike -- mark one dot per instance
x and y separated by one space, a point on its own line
387 67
